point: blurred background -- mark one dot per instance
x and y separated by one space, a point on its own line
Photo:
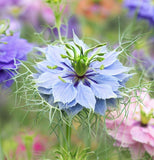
117 22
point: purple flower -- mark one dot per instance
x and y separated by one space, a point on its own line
4 3
67 30
12 49
73 25
144 9
143 62
74 76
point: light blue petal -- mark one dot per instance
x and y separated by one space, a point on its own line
106 79
44 90
53 55
62 105
43 50
111 81
114 69
100 106
123 78
104 49
102 91
64 92
43 67
48 98
45 96
124 81
35 75
110 58
51 100
110 53
66 105
85 97
67 66
111 102
118 93
38 70
74 110
47 80
79 42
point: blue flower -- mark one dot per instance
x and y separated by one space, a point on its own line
12 49
144 9
74 76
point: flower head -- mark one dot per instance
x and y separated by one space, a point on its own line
29 12
134 128
12 49
144 9
74 76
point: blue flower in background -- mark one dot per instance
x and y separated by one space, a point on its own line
12 49
74 76
143 62
143 8
67 30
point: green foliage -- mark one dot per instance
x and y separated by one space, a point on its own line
78 153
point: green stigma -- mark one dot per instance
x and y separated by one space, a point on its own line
80 66
80 60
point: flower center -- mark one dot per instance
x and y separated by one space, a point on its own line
145 117
144 125
80 67
80 60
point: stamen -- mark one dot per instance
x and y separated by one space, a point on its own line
50 67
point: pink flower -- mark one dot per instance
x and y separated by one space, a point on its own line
39 145
31 12
134 128
35 11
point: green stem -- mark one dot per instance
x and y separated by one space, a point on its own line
1 151
59 34
61 136
68 136
29 155
88 140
